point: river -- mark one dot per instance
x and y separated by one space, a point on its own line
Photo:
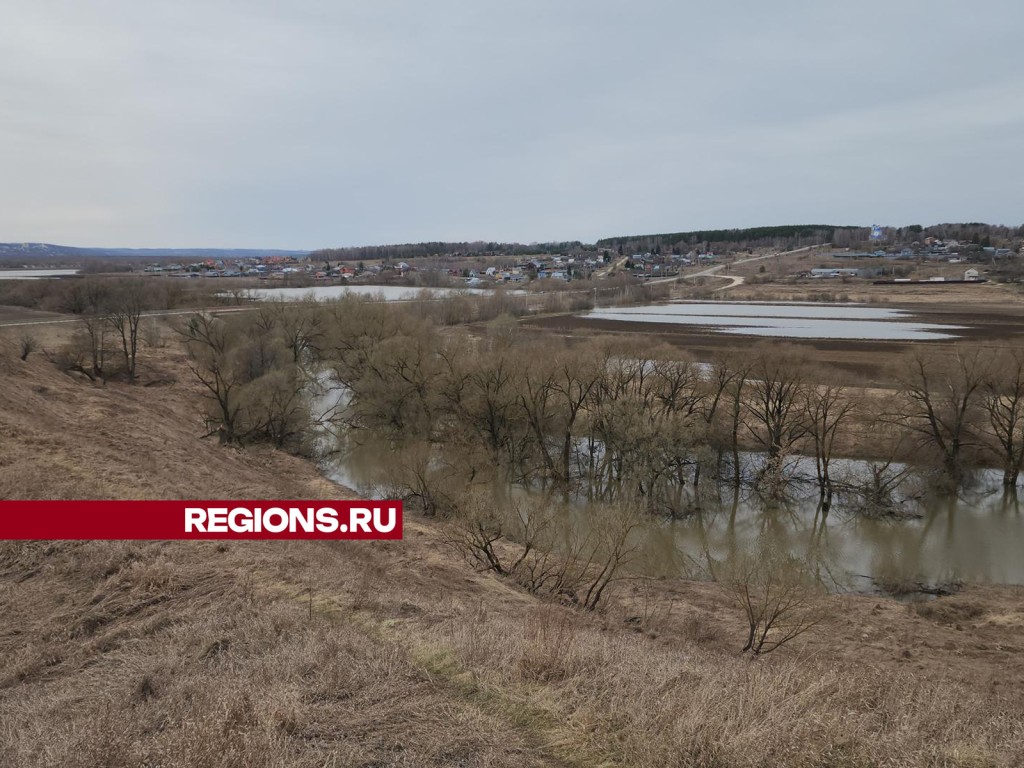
384 292
977 537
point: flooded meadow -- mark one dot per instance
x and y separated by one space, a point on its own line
786 321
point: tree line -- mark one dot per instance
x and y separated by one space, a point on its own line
438 248
791 236
598 418
795 236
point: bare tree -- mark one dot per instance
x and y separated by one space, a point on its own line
125 306
279 407
91 299
301 327
209 342
576 375
940 402
878 488
254 391
776 387
96 328
827 407
725 384
1004 405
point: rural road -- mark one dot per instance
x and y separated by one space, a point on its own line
734 279
614 266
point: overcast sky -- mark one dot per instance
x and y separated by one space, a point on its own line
313 123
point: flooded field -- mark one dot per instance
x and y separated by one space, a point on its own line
977 537
385 292
35 274
790 321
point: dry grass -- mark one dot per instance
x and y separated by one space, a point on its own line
632 702
177 655
201 654
62 437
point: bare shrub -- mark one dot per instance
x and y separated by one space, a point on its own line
153 334
544 547
27 344
779 597
78 355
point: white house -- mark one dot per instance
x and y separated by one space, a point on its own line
970 275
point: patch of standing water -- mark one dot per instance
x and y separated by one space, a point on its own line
35 274
795 321
385 292
977 538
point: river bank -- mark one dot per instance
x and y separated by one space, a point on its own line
288 654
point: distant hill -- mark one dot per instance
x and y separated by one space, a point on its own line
41 251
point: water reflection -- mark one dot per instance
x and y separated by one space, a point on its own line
978 537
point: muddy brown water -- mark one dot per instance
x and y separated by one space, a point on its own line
975 537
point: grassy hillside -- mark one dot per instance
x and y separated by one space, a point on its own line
399 654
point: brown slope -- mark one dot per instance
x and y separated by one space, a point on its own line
398 654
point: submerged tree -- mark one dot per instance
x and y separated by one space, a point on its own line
1004 406
940 402
827 408
775 392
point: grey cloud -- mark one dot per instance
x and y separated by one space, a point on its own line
305 124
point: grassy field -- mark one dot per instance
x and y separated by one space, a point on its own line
201 654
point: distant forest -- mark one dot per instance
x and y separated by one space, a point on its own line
782 237
800 235
418 250
721 240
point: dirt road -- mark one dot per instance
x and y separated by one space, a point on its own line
734 280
